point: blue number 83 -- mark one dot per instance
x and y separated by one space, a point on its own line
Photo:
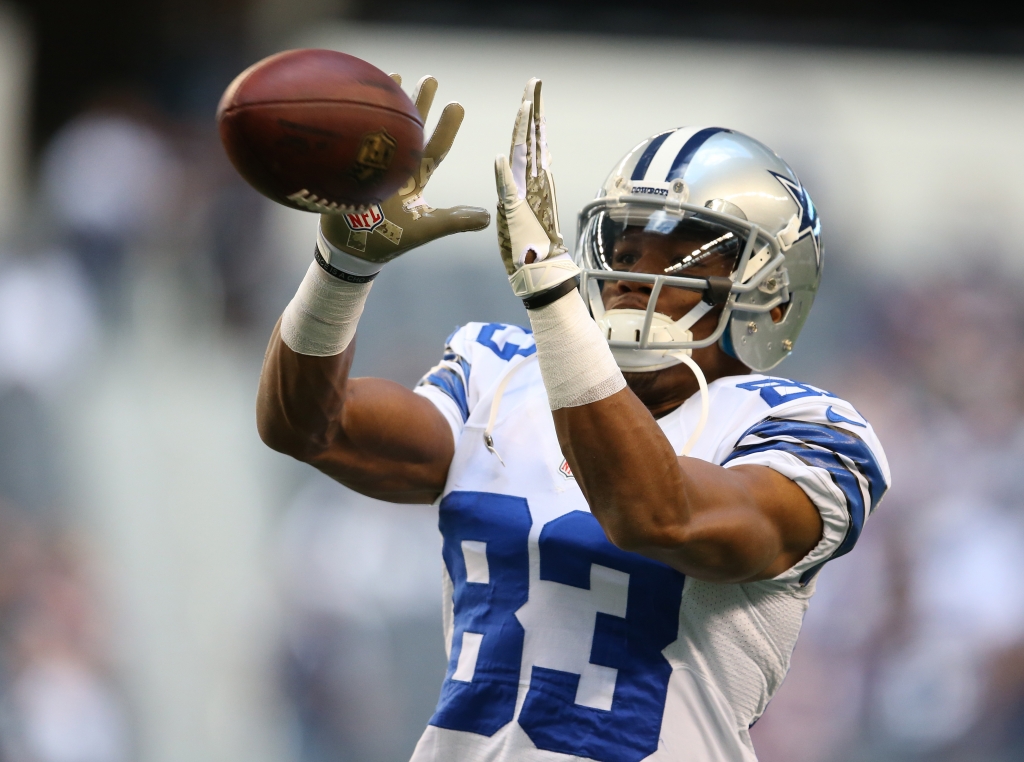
486 553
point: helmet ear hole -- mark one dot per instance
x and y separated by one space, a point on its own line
778 314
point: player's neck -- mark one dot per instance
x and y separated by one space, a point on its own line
663 391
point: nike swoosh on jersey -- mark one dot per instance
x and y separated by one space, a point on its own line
833 416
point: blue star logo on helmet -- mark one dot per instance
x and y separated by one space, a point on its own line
810 223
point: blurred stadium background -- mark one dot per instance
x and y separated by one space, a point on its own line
171 590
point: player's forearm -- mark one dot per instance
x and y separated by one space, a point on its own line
305 371
300 399
625 467
389 444
694 516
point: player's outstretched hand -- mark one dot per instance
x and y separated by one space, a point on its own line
531 243
405 220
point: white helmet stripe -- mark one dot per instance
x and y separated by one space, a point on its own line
689 150
667 152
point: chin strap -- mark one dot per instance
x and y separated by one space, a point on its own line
496 403
687 321
704 402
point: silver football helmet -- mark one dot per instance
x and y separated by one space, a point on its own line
726 188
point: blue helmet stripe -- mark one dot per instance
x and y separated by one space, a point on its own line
648 155
686 153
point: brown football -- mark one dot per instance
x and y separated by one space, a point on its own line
320 130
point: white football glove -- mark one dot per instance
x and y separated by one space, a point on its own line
531 245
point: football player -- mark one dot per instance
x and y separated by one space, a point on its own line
633 515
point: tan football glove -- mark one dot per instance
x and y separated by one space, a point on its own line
405 220
531 243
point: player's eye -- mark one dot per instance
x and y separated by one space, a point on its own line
623 260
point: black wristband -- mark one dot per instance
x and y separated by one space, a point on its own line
340 274
545 298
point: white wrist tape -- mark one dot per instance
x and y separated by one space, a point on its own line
321 318
344 263
575 362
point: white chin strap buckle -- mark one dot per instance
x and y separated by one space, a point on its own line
627 325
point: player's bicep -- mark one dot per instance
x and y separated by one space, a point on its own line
740 524
394 423
391 443
841 470
791 526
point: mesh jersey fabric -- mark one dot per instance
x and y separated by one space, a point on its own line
540 608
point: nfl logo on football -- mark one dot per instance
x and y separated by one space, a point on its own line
375 155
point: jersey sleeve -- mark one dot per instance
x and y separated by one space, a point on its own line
833 455
447 383
475 357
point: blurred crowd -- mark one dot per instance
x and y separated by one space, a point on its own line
58 695
913 648
123 194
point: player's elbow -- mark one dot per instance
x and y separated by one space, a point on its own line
271 434
277 433
639 535
274 435
711 559
281 427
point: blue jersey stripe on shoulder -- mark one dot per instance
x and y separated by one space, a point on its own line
831 449
449 382
832 438
451 357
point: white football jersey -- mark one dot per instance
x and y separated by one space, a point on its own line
562 646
